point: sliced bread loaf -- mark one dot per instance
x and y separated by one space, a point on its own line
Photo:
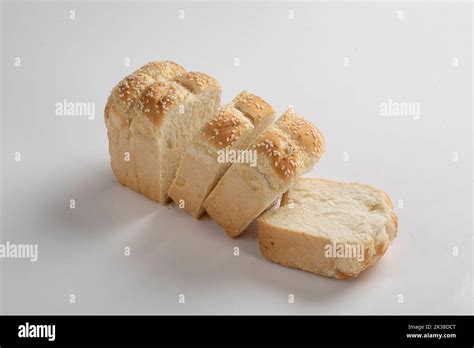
285 151
329 228
219 143
151 117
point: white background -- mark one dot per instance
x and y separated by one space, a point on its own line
298 62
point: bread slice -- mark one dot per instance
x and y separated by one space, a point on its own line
216 146
285 151
328 228
151 117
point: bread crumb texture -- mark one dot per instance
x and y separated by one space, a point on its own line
325 213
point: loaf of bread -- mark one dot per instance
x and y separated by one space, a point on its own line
151 117
219 143
285 151
329 228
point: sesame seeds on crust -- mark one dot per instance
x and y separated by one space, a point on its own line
162 70
306 134
223 130
196 82
129 89
252 106
158 99
291 145
282 155
157 87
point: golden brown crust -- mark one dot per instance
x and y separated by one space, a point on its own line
197 82
282 155
381 248
343 276
291 146
162 70
138 110
108 105
155 88
157 100
307 135
126 93
393 217
252 106
223 130
230 129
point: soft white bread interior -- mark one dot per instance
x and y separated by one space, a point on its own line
151 117
285 151
216 146
329 228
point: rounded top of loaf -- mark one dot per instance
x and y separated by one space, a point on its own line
224 129
291 146
252 106
158 99
197 82
125 94
157 87
244 112
162 70
306 134
282 154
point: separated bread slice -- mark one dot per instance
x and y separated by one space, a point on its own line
329 228
219 143
151 117
285 151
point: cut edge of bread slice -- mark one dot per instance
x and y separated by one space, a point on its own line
285 151
151 116
206 160
329 228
